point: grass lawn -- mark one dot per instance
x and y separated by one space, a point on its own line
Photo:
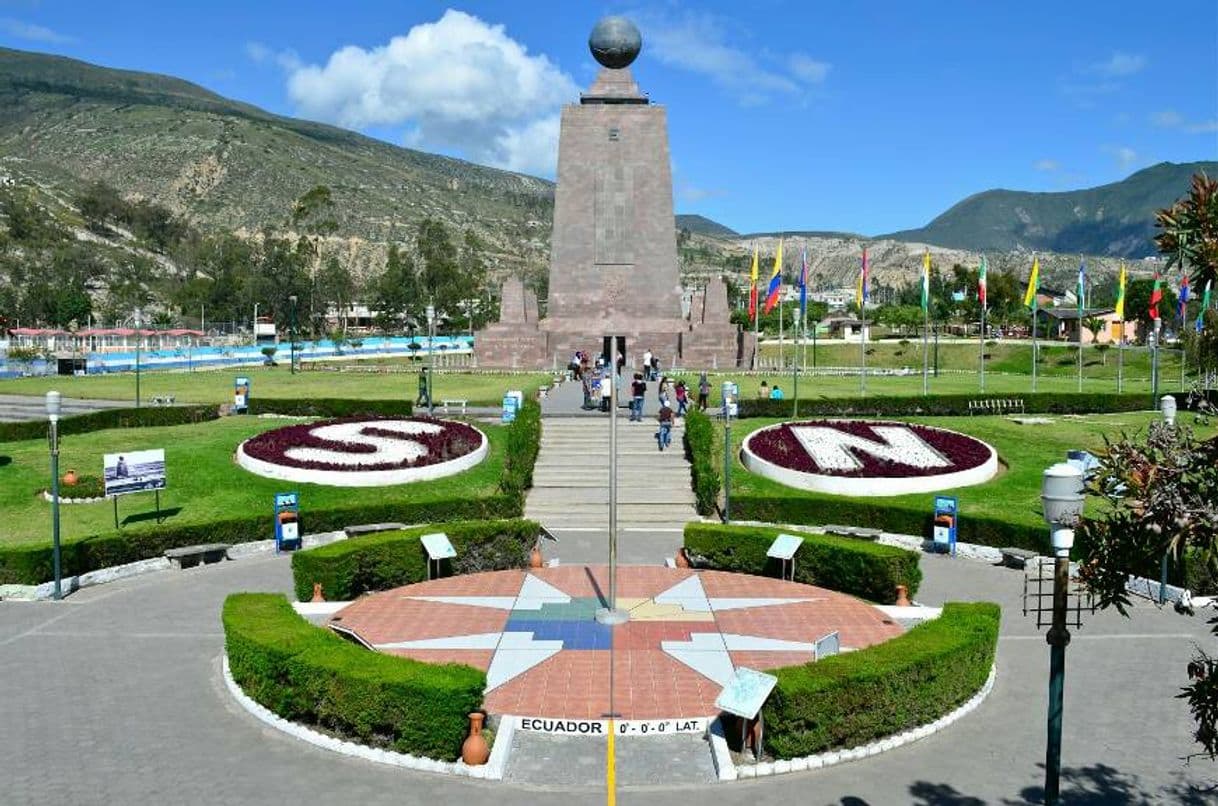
205 483
1024 451
216 386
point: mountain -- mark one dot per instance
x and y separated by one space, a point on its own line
1115 220
701 225
226 165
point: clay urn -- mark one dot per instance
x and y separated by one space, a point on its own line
902 596
535 558
682 559
70 478
317 597
474 750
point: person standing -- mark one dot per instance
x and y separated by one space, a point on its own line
703 392
682 396
647 365
606 388
776 393
664 435
763 392
638 388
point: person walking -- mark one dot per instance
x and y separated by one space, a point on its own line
665 392
703 392
638 388
647 365
606 389
682 396
664 435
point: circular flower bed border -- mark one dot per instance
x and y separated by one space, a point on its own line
776 453
455 448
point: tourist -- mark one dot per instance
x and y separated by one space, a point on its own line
655 367
638 388
665 392
682 396
703 392
574 366
764 392
606 389
647 364
586 382
776 393
424 398
664 435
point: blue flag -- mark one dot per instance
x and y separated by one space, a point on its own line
803 284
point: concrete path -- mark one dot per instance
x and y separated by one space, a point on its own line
570 494
114 696
15 408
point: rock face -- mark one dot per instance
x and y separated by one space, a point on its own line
613 258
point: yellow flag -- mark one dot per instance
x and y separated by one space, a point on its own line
1029 299
1120 303
753 274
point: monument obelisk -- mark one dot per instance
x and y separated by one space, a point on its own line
613 254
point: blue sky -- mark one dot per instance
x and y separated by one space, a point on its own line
866 117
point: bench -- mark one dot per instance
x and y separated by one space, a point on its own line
163 400
446 405
371 528
1017 558
851 531
190 556
992 405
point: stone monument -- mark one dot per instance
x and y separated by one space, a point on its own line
613 258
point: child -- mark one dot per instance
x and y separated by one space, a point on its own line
682 396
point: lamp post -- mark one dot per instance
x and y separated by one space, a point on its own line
728 394
612 615
1154 361
1167 405
138 334
292 333
54 402
431 359
1061 495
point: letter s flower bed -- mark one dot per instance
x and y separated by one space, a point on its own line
307 674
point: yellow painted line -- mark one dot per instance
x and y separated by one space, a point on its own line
610 771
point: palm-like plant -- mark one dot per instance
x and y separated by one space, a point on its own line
1190 230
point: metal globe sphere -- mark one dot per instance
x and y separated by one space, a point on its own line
615 42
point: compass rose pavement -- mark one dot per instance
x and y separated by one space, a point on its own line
534 634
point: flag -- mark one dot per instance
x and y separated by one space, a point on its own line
862 293
1120 303
1182 305
803 283
1080 292
771 296
926 281
1156 296
753 286
981 283
1205 306
1029 297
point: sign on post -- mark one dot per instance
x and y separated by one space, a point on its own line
512 401
730 394
241 395
946 518
287 521
134 472
783 549
438 548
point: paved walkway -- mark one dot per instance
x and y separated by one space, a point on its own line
114 696
570 494
15 408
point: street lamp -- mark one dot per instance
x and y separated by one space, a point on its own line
292 332
54 404
1167 405
431 359
1061 494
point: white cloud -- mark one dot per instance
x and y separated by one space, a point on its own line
263 54
1046 165
1203 127
32 32
459 84
1167 119
1119 64
1170 119
1124 155
698 43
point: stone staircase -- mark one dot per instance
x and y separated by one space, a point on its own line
571 484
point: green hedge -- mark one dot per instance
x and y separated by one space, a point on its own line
945 405
857 697
352 567
846 564
147 417
31 564
883 515
330 407
307 674
699 450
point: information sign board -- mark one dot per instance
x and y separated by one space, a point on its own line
134 471
946 522
746 692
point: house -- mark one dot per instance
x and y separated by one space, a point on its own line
847 328
1063 324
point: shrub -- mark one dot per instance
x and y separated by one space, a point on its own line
854 698
699 450
111 418
86 486
946 405
523 443
353 567
330 407
307 674
845 564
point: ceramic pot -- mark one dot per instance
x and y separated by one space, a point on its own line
474 750
317 597
902 596
70 478
682 559
535 558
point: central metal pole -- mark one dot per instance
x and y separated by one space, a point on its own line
137 359
611 615
982 387
1058 637
1034 318
54 437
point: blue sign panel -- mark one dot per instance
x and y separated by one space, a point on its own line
946 522
287 521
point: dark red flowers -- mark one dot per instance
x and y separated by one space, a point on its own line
455 440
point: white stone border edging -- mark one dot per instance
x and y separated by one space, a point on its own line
868 486
492 770
728 771
363 478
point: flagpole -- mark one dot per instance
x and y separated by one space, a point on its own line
863 347
795 372
982 348
1035 307
1081 310
781 353
925 348
1120 354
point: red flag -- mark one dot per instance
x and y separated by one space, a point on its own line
1156 296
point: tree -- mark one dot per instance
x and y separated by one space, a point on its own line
1137 306
394 290
1161 499
336 288
99 204
1190 230
1095 325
